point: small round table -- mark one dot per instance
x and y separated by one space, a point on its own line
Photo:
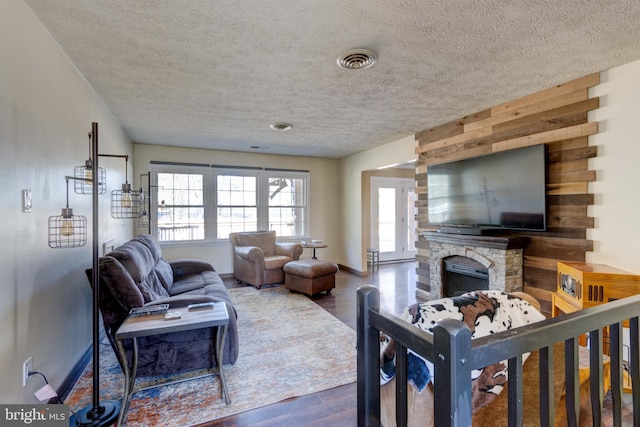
314 246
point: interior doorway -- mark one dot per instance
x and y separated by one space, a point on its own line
393 217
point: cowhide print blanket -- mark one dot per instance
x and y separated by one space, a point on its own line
484 312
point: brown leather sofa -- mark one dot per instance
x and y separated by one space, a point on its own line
258 259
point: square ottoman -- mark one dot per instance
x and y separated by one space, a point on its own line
310 276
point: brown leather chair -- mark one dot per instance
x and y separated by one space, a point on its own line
258 259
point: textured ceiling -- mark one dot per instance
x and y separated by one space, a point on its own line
216 74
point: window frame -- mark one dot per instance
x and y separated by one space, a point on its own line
210 176
153 199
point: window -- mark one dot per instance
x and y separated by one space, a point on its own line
287 204
237 208
208 203
180 213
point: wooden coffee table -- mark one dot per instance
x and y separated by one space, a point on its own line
135 327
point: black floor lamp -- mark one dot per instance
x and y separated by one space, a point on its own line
65 232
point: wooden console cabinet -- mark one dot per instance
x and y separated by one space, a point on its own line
582 285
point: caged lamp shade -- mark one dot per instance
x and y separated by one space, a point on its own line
126 203
83 185
67 230
83 182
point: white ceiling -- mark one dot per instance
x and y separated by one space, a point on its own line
216 73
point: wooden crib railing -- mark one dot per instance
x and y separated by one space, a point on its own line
455 355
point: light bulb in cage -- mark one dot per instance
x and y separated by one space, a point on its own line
126 200
66 229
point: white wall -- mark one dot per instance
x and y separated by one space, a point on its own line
351 169
616 235
324 203
46 110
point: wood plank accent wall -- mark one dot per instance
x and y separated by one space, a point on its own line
557 117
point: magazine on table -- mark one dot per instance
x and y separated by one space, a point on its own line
149 310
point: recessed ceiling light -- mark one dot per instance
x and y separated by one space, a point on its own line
357 59
281 127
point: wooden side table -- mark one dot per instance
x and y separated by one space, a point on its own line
135 327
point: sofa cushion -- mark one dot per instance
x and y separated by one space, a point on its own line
136 258
165 273
275 262
264 240
140 261
161 265
151 288
151 243
117 279
200 282
187 284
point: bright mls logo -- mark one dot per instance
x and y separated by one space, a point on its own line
34 415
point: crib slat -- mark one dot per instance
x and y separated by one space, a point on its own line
401 385
615 352
452 351
634 368
572 382
547 401
515 391
596 385
368 358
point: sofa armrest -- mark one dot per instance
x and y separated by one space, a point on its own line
292 250
250 253
187 267
183 300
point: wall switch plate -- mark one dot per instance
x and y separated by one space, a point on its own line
26 201
27 367
108 246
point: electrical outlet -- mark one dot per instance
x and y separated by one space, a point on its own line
27 367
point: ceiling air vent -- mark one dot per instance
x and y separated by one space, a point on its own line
357 59
281 127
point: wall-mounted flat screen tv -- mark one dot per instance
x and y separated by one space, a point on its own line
504 190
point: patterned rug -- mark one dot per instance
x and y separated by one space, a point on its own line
289 346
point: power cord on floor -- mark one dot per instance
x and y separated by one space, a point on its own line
47 389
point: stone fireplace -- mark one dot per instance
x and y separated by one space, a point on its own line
498 259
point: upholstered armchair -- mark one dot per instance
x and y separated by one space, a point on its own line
258 259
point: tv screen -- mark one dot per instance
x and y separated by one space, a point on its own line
501 190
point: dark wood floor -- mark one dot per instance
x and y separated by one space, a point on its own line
337 407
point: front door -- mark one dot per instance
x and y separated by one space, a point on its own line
393 222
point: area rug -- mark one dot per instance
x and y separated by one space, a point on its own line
289 346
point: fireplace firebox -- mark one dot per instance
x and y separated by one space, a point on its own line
462 274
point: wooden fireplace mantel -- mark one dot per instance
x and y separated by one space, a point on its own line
492 242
